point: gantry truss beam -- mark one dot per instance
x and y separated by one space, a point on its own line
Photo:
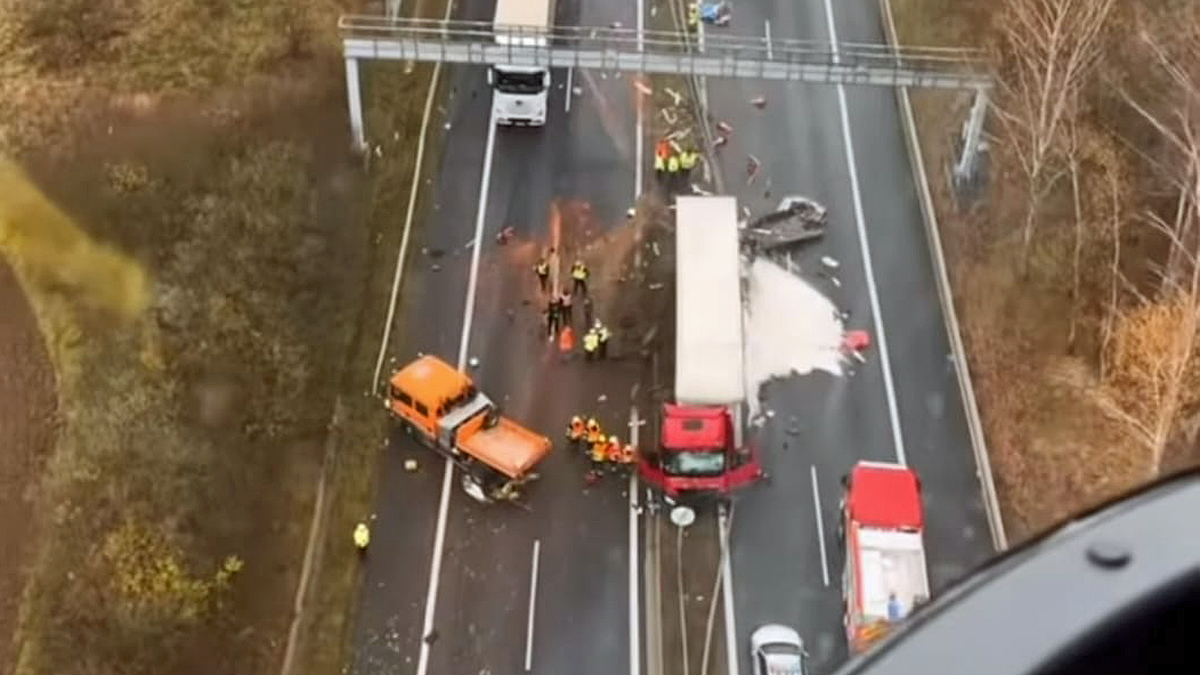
658 52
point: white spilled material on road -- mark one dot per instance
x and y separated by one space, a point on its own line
791 328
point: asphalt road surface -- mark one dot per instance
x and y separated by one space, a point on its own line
484 585
784 553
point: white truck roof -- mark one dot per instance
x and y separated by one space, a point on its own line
890 561
526 13
708 302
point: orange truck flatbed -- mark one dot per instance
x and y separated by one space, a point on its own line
440 405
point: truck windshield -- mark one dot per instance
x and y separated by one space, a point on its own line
695 463
518 83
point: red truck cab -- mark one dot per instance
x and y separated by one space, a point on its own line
697 454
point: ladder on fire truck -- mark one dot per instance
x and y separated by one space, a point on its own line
659 52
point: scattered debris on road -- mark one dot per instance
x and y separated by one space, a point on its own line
473 362
410 465
829 262
642 88
759 102
725 127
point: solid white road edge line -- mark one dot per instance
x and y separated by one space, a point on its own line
865 247
570 78
638 100
770 52
635 630
439 538
533 581
408 220
731 648
820 526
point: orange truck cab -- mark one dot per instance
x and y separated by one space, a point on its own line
440 406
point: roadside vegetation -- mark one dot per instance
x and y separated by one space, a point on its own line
1075 264
209 265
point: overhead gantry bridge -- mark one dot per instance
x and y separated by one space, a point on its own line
661 52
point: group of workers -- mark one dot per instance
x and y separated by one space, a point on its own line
587 435
673 169
559 313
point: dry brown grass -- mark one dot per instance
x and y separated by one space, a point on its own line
194 159
1053 450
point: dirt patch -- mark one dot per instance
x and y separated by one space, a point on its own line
27 411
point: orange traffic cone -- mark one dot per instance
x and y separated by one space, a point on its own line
566 340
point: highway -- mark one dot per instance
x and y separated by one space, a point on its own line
463 574
441 565
786 562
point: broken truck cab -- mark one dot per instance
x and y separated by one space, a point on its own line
697 454
440 406
700 451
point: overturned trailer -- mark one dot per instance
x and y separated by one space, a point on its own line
700 449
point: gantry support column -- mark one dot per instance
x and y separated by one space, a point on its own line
964 171
354 100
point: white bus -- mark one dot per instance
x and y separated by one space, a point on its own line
519 93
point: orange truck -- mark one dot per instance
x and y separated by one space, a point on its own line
439 406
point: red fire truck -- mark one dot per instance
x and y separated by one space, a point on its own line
882 528
700 449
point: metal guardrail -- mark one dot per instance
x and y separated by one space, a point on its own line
476 42
987 484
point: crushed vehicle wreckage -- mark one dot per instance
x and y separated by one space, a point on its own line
796 220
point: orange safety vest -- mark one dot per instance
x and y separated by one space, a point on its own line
663 150
575 430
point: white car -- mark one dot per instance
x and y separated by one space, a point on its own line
777 650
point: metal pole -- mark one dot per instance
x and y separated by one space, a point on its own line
354 100
965 168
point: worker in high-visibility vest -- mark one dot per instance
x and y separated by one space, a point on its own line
575 429
602 336
362 538
687 162
693 17
661 152
673 173
591 342
612 451
542 270
579 274
592 431
599 450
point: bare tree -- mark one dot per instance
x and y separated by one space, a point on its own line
1154 369
1047 48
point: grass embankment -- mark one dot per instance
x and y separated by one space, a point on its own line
1038 377
211 280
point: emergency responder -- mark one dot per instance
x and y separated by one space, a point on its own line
593 431
591 342
553 310
564 308
599 450
672 174
575 429
579 274
602 336
693 17
687 162
362 538
661 152
612 451
542 270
